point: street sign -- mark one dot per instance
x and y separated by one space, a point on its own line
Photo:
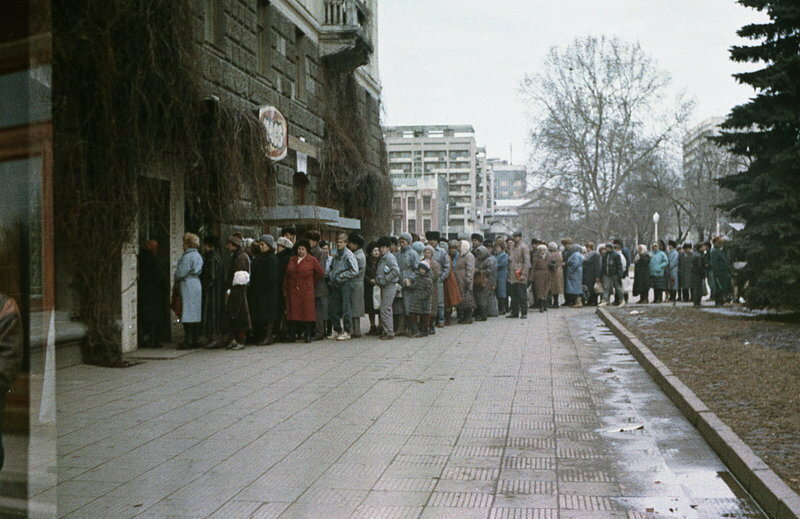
277 132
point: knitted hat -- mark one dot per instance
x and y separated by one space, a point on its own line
235 240
405 236
418 247
285 242
269 240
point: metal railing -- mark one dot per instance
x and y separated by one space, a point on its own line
341 12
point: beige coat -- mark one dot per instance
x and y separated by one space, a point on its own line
519 259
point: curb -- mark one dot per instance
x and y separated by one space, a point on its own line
770 491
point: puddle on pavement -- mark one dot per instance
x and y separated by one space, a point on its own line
660 481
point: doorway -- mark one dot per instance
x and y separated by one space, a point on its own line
154 224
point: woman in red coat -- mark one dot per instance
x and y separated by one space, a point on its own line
302 274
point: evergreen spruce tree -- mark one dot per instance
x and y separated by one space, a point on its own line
766 130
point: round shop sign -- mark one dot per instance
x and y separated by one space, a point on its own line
277 132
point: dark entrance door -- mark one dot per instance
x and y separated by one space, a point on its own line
154 223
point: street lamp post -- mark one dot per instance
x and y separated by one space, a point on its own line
656 218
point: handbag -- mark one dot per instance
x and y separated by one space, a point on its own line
176 301
598 287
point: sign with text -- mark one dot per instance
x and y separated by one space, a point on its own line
277 132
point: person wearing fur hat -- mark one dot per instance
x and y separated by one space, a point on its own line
483 282
302 273
407 261
519 266
262 292
540 272
436 274
477 241
422 288
355 242
237 310
465 273
321 292
452 295
239 258
213 293
501 292
557 277
443 258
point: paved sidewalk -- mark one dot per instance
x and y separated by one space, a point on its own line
507 419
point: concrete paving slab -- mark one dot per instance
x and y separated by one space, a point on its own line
546 418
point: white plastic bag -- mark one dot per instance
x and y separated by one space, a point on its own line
376 297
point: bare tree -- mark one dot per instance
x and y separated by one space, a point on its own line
702 193
598 122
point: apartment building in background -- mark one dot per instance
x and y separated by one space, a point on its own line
510 180
419 204
448 152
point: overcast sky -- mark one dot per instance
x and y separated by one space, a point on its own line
461 61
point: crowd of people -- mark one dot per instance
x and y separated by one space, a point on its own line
289 289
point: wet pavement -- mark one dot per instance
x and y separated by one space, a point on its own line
548 417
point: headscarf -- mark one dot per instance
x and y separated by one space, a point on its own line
552 246
541 250
464 247
428 247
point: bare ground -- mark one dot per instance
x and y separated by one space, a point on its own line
745 368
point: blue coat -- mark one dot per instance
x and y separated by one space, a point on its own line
674 261
502 274
658 263
573 282
190 266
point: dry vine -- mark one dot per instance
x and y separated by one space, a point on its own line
362 189
128 97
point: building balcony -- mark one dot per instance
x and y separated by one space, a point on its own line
345 42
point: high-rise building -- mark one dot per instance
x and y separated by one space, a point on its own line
449 152
696 141
510 180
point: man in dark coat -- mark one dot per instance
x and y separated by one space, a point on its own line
11 346
612 274
698 268
591 272
213 292
685 273
720 266
153 293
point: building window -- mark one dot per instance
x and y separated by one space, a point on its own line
426 225
214 20
412 203
397 226
426 203
412 225
300 64
263 45
396 204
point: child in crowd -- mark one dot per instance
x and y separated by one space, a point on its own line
421 303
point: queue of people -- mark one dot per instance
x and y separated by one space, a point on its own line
287 289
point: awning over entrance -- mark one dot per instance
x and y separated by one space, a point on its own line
298 215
